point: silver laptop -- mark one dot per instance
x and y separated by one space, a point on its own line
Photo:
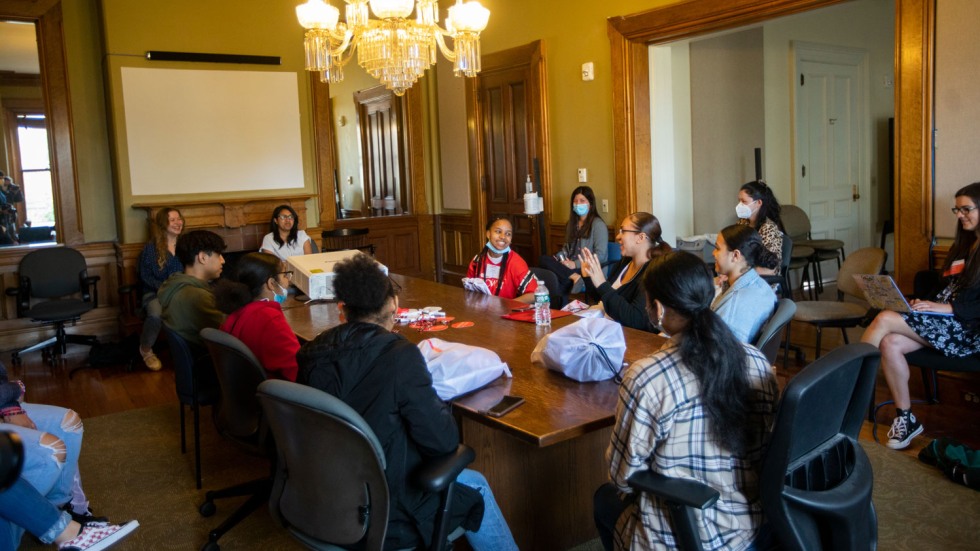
883 293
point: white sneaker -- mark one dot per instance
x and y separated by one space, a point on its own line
95 536
151 360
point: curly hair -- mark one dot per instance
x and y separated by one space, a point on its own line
198 241
681 282
363 287
246 280
158 233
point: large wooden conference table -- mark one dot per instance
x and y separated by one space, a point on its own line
543 460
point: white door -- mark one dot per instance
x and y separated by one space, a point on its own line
832 147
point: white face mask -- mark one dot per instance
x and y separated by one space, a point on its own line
743 211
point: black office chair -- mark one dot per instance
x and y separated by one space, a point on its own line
197 385
768 340
816 480
330 487
239 418
59 277
342 239
550 280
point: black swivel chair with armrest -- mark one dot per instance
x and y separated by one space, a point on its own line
239 418
815 483
330 488
197 385
59 277
768 340
550 280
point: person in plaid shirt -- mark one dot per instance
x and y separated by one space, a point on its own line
700 408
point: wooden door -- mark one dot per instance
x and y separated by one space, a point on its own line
509 113
382 149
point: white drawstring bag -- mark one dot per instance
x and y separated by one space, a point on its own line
591 349
458 368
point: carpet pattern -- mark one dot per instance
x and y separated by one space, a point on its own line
132 468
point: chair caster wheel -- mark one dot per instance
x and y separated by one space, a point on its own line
207 509
211 546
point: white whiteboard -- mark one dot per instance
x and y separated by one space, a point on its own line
196 131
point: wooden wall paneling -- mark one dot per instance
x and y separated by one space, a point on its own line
459 243
103 321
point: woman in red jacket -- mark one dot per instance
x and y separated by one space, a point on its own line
504 271
251 297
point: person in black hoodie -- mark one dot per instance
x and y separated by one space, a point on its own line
383 377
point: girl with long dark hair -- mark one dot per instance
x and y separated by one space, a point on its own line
746 300
758 207
699 408
585 230
285 239
622 298
503 270
252 296
958 334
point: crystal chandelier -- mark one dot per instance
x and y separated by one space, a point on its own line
392 48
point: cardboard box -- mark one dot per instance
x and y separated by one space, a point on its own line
313 273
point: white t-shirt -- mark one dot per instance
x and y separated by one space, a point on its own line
286 250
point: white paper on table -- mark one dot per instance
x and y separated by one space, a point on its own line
476 284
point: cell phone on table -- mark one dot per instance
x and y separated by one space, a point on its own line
504 406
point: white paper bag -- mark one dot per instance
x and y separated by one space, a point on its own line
591 349
458 368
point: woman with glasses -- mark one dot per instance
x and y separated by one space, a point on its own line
622 297
956 333
284 239
252 296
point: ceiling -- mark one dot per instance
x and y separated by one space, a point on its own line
18 48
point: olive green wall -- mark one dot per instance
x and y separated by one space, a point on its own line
255 27
580 113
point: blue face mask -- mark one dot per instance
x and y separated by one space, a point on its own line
496 250
580 209
281 298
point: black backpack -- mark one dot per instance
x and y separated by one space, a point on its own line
960 463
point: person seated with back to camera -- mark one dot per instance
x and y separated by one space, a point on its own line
622 299
700 408
503 270
252 296
745 300
285 239
158 262
383 377
958 335
186 299
757 207
585 230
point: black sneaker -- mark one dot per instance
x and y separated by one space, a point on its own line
905 427
83 518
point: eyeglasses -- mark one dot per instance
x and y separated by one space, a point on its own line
624 230
287 273
965 211
394 286
286 216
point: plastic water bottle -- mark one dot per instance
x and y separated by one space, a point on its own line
542 305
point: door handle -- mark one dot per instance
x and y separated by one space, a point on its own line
855 194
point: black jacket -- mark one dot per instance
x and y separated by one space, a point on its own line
384 378
628 304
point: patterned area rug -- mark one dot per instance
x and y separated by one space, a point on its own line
132 468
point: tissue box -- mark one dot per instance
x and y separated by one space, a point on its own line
313 273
